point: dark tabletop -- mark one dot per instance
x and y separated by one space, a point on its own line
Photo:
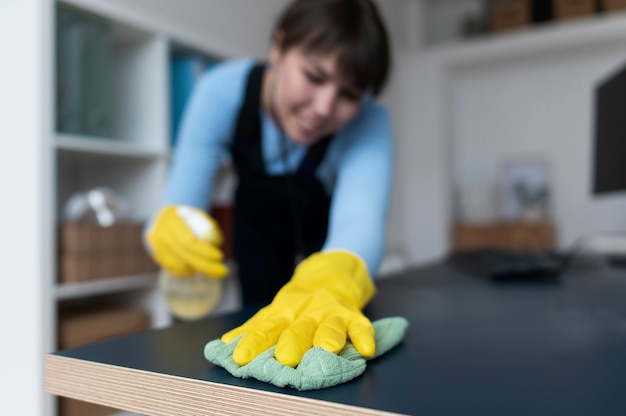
544 347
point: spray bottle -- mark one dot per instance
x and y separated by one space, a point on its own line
192 297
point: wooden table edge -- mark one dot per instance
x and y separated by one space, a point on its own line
163 394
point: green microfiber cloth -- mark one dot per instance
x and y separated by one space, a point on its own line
318 369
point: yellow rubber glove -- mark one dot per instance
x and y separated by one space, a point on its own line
185 240
320 306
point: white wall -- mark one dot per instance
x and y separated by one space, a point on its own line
539 106
401 17
423 182
23 236
241 27
446 19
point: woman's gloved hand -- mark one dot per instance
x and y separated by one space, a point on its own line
185 240
320 306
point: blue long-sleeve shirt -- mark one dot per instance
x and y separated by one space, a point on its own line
357 168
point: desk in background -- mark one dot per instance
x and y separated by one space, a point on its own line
473 347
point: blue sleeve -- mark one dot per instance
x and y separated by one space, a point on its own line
205 134
358 214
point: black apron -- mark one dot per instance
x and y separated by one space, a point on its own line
277 218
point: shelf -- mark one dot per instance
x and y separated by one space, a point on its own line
115 12
68 291
108 147
126 14
548 38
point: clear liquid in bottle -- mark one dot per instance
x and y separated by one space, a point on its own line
191 297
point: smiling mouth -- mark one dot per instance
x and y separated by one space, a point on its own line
311 128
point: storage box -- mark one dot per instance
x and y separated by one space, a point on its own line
86 326
612 5
71 407
509 14
88 252
78 238
566 9
504 235
80 327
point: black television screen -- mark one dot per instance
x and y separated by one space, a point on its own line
609 159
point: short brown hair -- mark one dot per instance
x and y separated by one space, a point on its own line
354 28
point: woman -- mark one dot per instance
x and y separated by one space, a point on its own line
313 154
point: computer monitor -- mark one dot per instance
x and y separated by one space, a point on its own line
609 155
609 143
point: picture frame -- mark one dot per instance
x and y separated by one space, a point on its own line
525 188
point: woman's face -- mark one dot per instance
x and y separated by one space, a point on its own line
306 95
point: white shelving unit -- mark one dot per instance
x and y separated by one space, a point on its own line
40 168
132 162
